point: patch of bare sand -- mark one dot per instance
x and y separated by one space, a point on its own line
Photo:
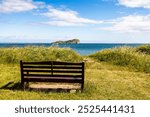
88 60
55 86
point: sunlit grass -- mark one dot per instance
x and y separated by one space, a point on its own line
31 53
110 74
105 82
125 56
144 49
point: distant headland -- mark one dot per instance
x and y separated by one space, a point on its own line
72 41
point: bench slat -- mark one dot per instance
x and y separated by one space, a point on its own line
66 67
49 75
53 80
54 67
30 66
50 62
54 71
65 63
37 63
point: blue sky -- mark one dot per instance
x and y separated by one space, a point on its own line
91 21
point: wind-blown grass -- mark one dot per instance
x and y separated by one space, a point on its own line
107 73
125 56
14 55
144 49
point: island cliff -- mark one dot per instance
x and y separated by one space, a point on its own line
73 41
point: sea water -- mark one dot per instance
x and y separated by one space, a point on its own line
82 48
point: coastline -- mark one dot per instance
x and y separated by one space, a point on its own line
81 48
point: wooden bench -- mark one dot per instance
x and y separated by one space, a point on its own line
52 71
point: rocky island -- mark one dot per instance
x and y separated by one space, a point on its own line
73 41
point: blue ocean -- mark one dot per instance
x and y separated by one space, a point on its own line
82 48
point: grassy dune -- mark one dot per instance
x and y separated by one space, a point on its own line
144 49
133 58
14 55
109 74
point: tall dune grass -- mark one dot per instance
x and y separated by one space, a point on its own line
125 56
30 53
144 49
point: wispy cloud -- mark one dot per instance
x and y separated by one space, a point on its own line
14 6
56 17
135 3
59 17
131 23
60 23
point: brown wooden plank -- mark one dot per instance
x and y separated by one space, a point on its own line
49 62
62 71
30 66
52 80
54 67
49 75
54 71
37 63
65 63
66 67
38 70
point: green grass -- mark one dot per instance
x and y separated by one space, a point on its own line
31 53
103 79
125 56
103 82
144 49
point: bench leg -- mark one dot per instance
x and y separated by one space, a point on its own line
27 84
23 85
82 87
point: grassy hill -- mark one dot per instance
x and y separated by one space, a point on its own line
133 58
119 73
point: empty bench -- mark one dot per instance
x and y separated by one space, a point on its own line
52 71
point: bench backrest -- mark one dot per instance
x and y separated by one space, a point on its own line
52 69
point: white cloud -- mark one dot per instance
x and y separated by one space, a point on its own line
131 23
56 17
135 3
13 6
61 23
66 18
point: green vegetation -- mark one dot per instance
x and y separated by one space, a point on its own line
132 58
144 49
106 77
14 55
